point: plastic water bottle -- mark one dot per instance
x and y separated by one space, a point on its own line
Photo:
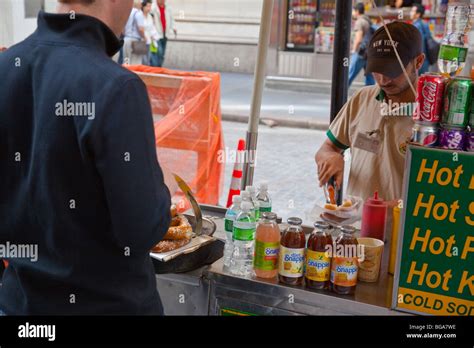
246 197
264 198
241 263
253 197
229 219
453 51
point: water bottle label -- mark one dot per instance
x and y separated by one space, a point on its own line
318 266
257 214
265 209
244 234
228 225
266 256
451 53
291 262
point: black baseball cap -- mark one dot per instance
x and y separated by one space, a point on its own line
381 57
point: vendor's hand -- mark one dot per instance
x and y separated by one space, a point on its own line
331 165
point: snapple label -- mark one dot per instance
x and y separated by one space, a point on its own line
266 255
344 271
318 266
291 262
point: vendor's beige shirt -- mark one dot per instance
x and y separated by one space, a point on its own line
382 172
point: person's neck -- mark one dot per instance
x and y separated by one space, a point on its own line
407 96
91 11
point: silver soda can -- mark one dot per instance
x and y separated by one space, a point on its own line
425 135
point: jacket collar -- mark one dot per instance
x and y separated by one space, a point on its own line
81 30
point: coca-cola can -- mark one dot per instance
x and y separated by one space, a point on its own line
429 101
425 134
452 138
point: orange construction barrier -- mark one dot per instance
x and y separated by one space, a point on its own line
188 129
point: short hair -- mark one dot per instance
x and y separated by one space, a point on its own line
420 9
360 8
146 2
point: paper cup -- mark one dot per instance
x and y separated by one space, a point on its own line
369 268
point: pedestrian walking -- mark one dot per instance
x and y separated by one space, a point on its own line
416 15
363 34
164 23
151 34
134 48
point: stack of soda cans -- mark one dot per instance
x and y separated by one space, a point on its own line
443 116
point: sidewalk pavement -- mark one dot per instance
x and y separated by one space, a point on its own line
280 107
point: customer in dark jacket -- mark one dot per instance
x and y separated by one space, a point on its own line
79 175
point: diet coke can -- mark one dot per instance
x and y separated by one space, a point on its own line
452 138
425 135
429 100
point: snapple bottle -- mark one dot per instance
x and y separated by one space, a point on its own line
292 246
267 246
345 264
318 261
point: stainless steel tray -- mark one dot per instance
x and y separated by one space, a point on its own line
207 231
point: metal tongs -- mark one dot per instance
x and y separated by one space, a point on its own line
331 194
196 208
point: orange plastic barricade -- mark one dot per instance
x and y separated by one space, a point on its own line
188 129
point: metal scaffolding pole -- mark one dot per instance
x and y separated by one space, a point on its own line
340 70
260 70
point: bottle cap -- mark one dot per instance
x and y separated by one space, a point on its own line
269 215
294 221
245 195
263 186
236 199
375 199
250 189
347 229
322 225
246 206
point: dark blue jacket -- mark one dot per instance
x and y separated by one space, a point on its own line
82 182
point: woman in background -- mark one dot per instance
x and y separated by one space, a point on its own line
164 23
151 35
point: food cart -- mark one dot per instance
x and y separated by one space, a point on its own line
212 290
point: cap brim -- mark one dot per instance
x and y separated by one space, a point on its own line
387 66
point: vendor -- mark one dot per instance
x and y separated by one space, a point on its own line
369 124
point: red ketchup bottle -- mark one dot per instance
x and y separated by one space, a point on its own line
374 216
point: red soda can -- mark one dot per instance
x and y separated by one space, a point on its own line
429 100
425 134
